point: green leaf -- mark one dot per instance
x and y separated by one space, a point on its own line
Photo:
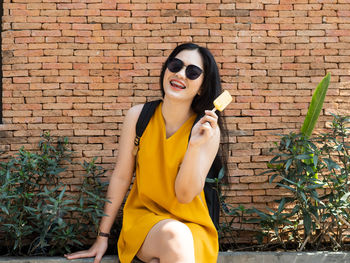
315 106
62 193
221 173
345 197
331 164
286 186
315 159
303 157
272 178
209 180
4 209
29 209
281 205
314 186
274 159
289 181
295 209
289 162
303 196
253 220
307 222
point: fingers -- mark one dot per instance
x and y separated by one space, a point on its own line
98 258
211 118
80 254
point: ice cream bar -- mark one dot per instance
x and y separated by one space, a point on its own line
222 101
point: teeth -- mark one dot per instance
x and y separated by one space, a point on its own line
176 84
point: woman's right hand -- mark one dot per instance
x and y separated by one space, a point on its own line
97 250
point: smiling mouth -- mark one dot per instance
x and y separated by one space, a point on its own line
177 84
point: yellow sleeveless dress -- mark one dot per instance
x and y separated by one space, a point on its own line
152 197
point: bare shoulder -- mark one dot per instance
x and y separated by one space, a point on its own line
133 113
129 124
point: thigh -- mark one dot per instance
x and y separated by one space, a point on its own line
159 238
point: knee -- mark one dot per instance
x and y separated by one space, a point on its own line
176 237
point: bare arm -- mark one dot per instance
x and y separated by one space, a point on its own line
118 186
200 154
123 171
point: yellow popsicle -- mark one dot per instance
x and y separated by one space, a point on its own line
222 101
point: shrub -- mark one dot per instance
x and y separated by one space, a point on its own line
35 206
315 172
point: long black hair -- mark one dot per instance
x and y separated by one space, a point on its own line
209 91
211 85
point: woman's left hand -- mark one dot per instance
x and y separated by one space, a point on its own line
205 129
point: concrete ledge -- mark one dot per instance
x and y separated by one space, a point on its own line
284 257
224 257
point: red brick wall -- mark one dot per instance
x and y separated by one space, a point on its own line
74 67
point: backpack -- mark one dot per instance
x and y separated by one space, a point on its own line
211 195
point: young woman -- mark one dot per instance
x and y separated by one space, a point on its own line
165 216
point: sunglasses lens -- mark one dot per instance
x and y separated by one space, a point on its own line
175 65
193 72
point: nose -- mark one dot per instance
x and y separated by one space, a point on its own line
182 73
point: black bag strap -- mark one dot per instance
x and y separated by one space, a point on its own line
143 120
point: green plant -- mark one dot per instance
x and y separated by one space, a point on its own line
315 107
35 208
230 215
90 198
314 172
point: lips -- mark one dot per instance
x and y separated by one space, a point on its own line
177 84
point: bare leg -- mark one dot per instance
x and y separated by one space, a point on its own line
169 241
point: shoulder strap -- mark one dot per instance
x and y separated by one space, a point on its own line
143 120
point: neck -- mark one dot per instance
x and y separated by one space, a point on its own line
175 113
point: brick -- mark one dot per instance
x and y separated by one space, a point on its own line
87 12
43 86
53 13
41 19
220 20
76 26
279 7
80 65
16 19
255 112
15 73
161 6
41 6
71 6
24 26
264 13
206 13
307 7
254 5
27 119
265 199
191 6
333 33
251 192
14 6
123 6
253 179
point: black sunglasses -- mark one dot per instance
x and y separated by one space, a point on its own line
192 71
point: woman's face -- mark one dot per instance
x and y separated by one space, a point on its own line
176 84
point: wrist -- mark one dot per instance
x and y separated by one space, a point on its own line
194 146
101 240
103 234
